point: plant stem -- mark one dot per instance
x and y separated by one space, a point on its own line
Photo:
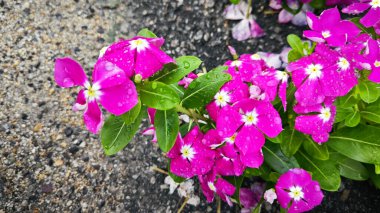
159 170
218 210
248 9
183 205
191 113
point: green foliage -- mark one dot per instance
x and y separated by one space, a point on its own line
352 119
202 90
325 172
130 116
166 124
277 160
350 168
371 113
234 1
361 143
315 150
172 73
291 141
368 91
116 134
158 95
146 33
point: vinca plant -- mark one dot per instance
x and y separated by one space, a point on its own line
299 129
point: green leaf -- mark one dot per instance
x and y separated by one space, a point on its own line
325 172
234 1
377 169
172 73
203 89
116 134
342 113
315 150
371 113
317 4
257 209
262 170
348 100
368 91
291 141
350 168
132 114
277 160
295 43
361 143
146 33
294 55
166 123
158 95
352 119
374 177
180 90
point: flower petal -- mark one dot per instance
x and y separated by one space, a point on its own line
356 8
151 60
371 18
93 117
107 74
68 73
80 103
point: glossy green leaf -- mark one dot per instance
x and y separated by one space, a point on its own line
146 33
132 114
294 55
116 134
348 100
315 150
173 73
203 89
361 143
352 119
158 95
180 90
349 168
375 178
166 124
262 170
291 141
295 43
377 169
368 91
277 160
342 113
325 172
234 1
371 113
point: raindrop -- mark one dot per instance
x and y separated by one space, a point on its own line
186 65
154 85
109 66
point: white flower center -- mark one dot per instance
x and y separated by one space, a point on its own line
211 186
236 63
375 3
250 118
187 152
343 63
222 98
296 193
325 114
255 56
282 76
139 44
377 63
326 34
314 71
231 139
92 92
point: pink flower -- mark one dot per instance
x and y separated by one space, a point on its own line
211 184
227 156
373 15
110 87
330 28
151 131
190 156
249 197
297 189
229 94
313 80
247 28
138 55
316 120
373 59
245 67
186 81
244 125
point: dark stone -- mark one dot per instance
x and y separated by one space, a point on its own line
74 149
100 30
47 188
101 203
68 131
24 116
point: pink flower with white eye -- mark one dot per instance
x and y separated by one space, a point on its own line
373 59
373 15
230 93
316 120
138 56
313 80
186 81
245 67
211 184
190 156
297 189
111 87
227 157
328 27
246 122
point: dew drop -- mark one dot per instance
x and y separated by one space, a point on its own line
186 65
109 66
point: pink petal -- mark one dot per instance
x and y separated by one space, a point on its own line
330 18
356 8
121 55
313 21
284 16
93 118
371 18
299 19
375 75
151 114
228 122
213 110
241 31
252 159
309 93
150 60
233 12
80 103
282 93
256 30
314 36
224 188
275 4
181 167
68 73
119 99
249 139
107 74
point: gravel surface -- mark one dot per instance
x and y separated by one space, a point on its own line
48 161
